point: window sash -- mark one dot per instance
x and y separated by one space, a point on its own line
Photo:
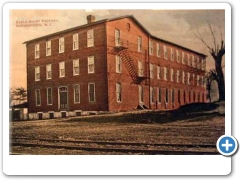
91 92
90 38
37 73
140 68
173 97
75 41
119 92
172 55
165 73
62 69
49 71
61 45
172 72
48 48
151 71
118 64
76 93
139 44
152 94
49 96
38 97
158 50
91 65
166 95
159 95
183 57
140 94
150 47
158 72
37 51
178 76
183 77
165 52
76 67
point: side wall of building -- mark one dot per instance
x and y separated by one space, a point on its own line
83 79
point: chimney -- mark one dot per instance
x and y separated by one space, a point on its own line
90 19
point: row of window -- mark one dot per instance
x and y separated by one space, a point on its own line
197 97
76 95
175 54
61 48
76 70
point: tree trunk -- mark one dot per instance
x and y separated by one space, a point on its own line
220 82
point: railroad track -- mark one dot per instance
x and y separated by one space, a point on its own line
121 147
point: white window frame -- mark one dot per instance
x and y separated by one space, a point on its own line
150 47
89 95
188 77
75 93
178 76
139 41
140 94
37 51
48 96
118 64
91 62
178 56
183 77
49 69
61 69
76 69
183 57
36 97
192 60
140 68
198 80
172 74
165 52
90 38
158 52
151 71
203 83
193 78
37 73
173 96
61 45
158 72
75 41
167 96
48 48
118 92
117 37
165 71
188 56
172 54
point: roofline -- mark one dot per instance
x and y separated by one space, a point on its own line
114 19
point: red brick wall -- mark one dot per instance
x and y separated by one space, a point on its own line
99 77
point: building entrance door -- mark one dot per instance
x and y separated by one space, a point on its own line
63 98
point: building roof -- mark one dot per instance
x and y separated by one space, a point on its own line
114 19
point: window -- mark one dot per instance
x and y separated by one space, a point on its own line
76 93
192 60
159 95
118 64
90 64
76 67
150 47
172 55
152 94
90 38
48 71
183 57
166 96
158 50
183 77
188 77
119 92
158 72
140 88
172 74
37 73
75 41
61 45
203 65
179 97
117 37
91 92
38 97
188 58
203 81
165 52
193 79
173 98
48 48
49 96
37 51
62 69
178 76
139 44
140 68
198 63
198 80
178 56
165 73
151 71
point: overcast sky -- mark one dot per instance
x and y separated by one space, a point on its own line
173 25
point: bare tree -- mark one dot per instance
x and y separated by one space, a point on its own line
217 52
209 78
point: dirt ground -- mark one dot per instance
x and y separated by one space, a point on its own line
200 127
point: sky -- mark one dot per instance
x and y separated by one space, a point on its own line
177 26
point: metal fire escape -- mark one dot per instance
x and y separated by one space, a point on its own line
122 48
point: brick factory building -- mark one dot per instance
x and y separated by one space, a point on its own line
110 65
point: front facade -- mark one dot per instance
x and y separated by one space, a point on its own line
110 65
